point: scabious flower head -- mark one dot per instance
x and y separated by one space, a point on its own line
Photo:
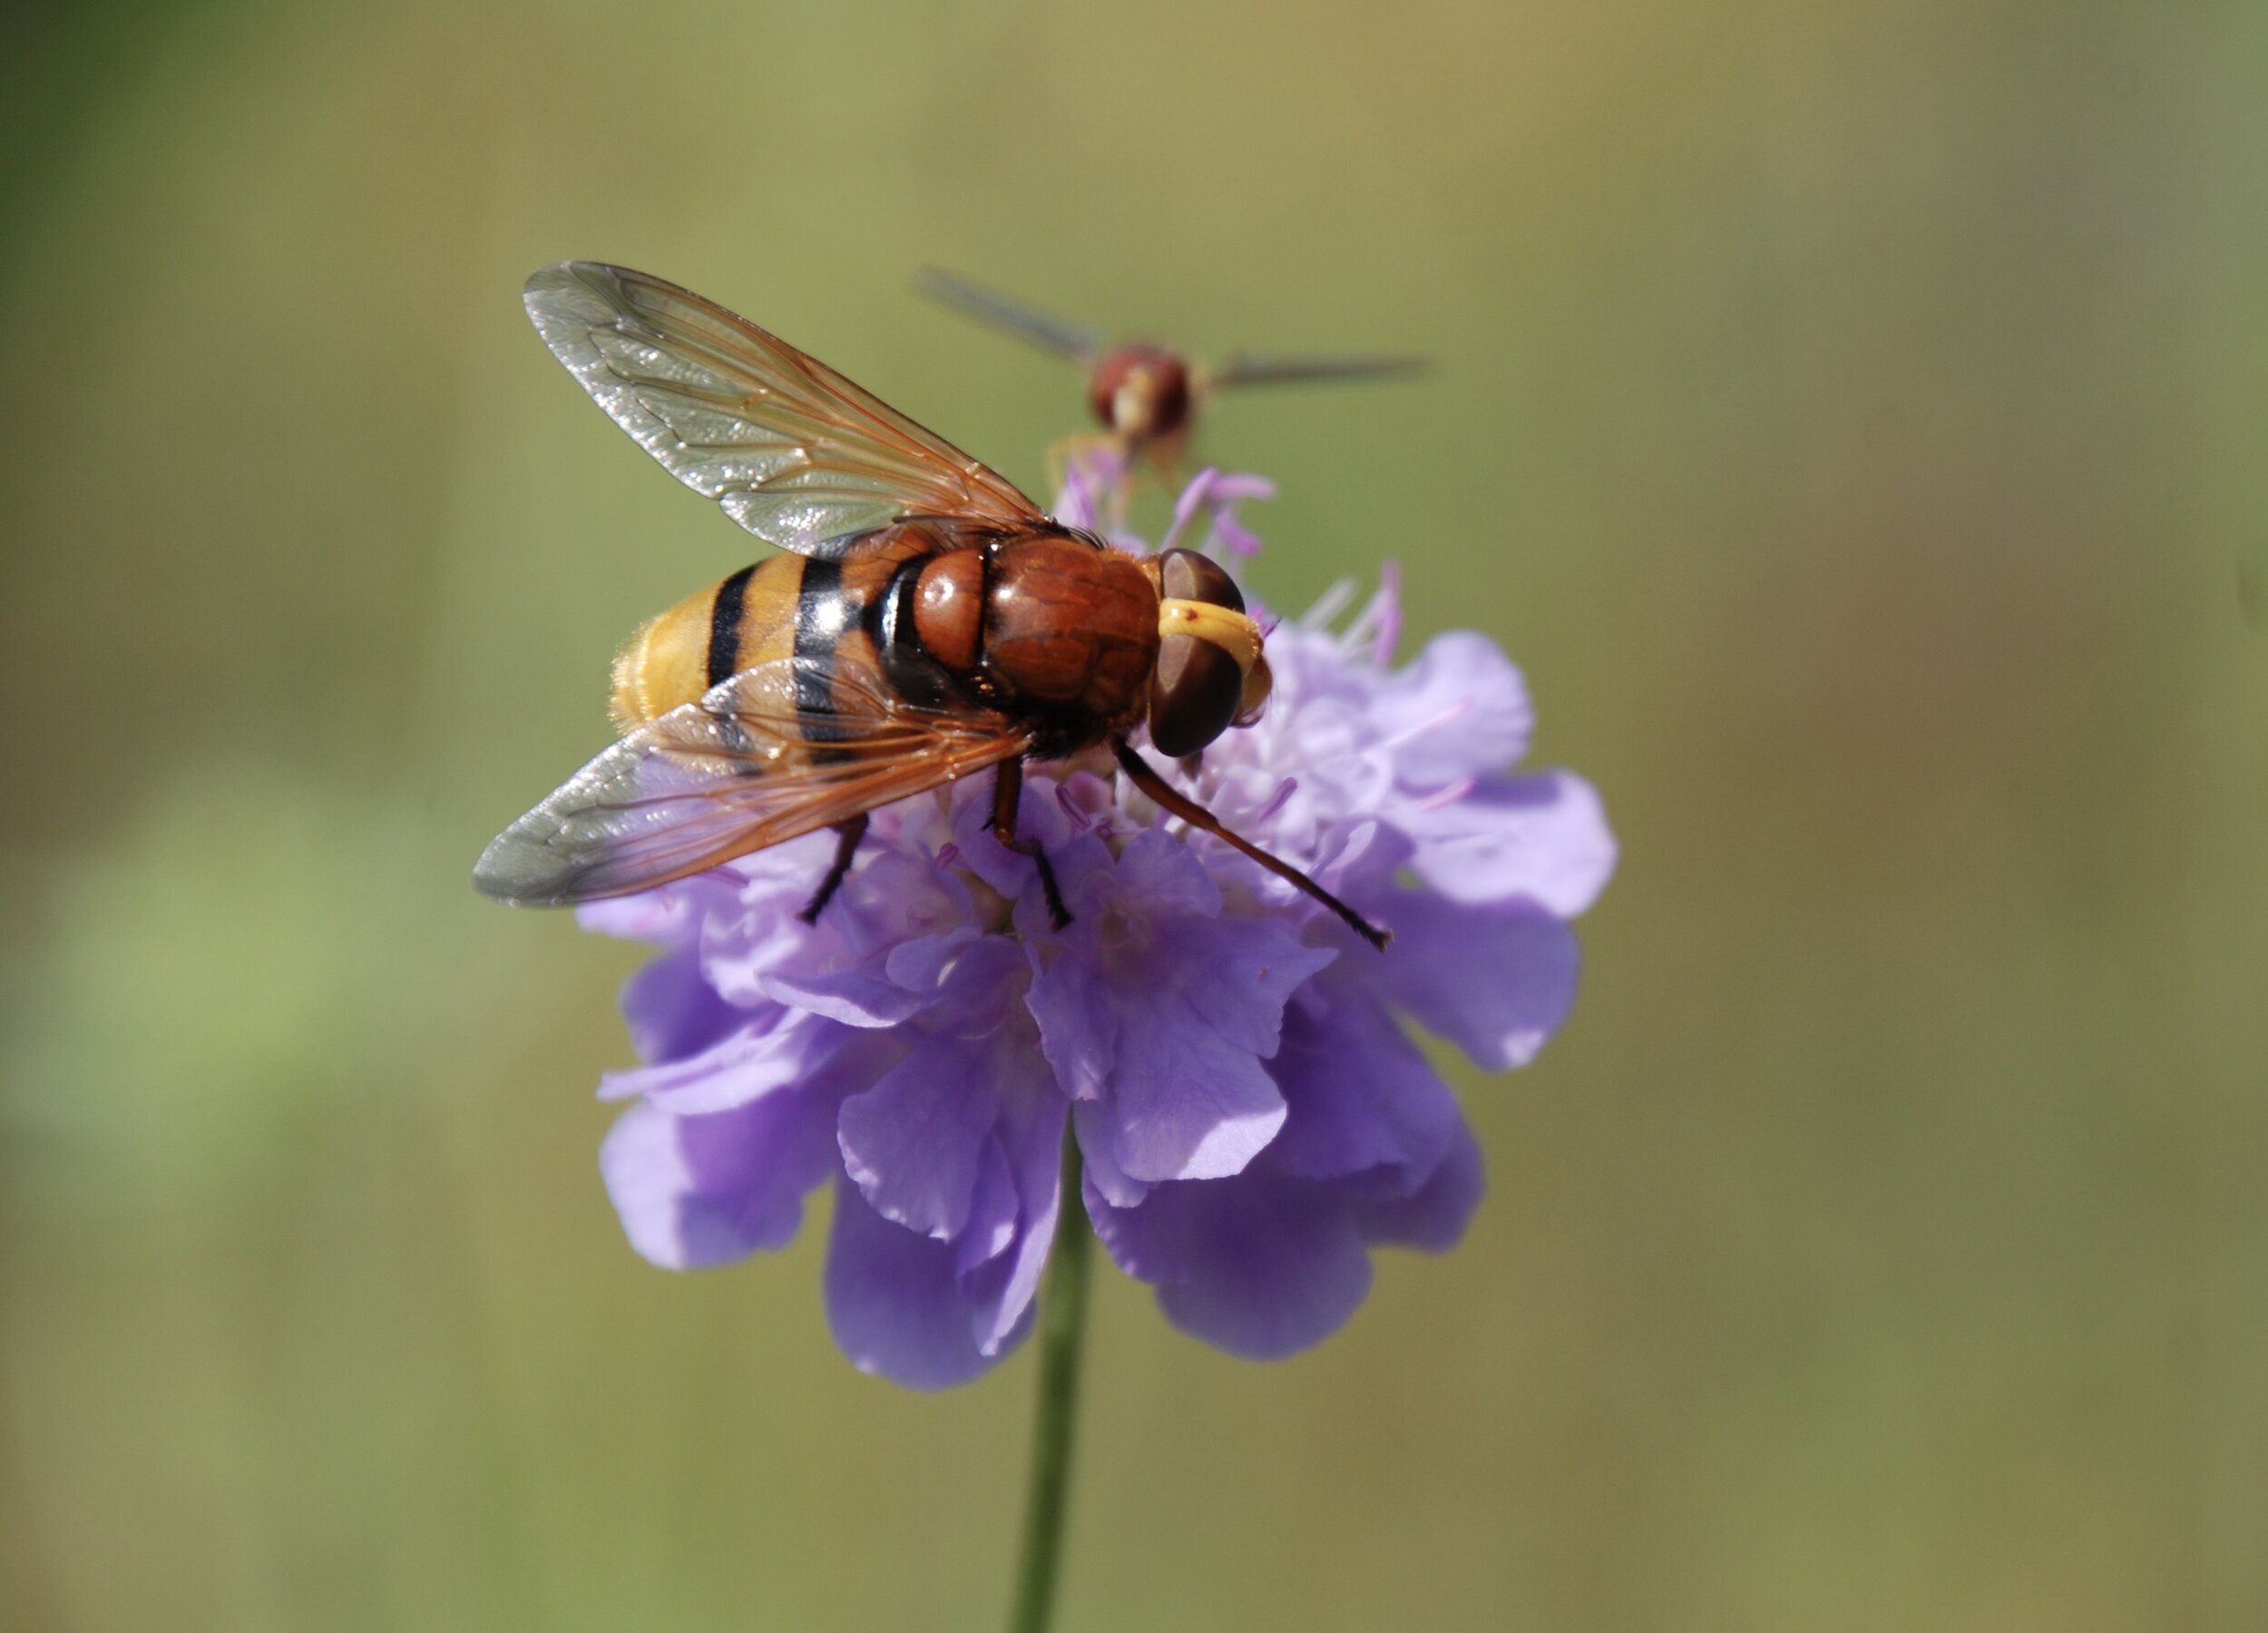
1251 1116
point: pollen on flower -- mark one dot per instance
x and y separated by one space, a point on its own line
1251 1114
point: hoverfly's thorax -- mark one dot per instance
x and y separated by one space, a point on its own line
949 609
1069 626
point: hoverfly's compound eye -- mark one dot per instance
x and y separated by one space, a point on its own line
1259 682
1210 669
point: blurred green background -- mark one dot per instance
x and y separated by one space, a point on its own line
1851 415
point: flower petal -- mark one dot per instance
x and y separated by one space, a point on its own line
1432 1219
1263 1265
1002 1307
1543 836
1188 1104
1362 1096
771 1050
1496 979
696 1191
1078 1029
1157 870
671 1013
1460 710
1097 1130
994 1209
877 952
666 916
893 1302
1239 974
860 996
912 1142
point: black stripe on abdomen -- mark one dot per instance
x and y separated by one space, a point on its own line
724 626
910 669
824 615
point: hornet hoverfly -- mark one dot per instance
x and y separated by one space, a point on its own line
929 622
1147 396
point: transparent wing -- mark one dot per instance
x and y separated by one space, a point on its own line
775 752
1241 370
794 452
1071 340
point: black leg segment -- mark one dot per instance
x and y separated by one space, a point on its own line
847 837
1007 801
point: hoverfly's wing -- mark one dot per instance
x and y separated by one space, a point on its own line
794 451
775 752
1072 340
1241 370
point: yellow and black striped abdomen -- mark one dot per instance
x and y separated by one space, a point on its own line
747 618
785 606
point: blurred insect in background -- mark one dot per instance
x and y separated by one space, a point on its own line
929 622
1147 395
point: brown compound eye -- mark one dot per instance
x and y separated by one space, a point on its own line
1199 687
1259 680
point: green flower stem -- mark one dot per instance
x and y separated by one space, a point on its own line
1062 1331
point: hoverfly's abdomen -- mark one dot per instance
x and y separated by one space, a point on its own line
671 657
1069 627
785 606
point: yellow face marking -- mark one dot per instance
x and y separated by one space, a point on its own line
1135 403
1232 631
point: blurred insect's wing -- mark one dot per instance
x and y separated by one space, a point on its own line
1004 312
775 752
794 452
1241 370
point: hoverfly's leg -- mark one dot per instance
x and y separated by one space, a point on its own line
1178 804
847 837
1007 799
1164 455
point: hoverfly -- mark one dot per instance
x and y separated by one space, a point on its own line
929 622
1146 395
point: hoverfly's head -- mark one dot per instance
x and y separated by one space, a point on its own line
1140 391
1211 673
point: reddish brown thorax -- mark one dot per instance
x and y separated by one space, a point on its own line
1140 391
1048 623
949 609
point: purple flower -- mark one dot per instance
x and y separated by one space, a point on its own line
1251 1116
1215 496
